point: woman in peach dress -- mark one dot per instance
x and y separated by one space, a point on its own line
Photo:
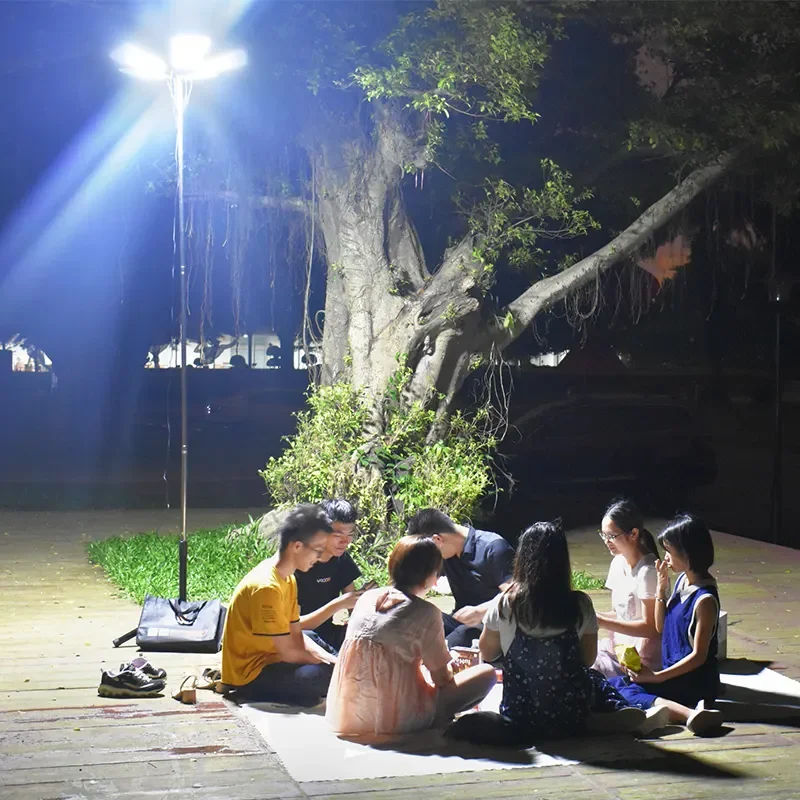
379 685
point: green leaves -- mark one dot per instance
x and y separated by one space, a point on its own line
461 58
389 473
723 74
512 221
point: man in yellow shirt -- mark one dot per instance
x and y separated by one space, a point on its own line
265 657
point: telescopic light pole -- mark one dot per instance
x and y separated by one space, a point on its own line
188 62
780 292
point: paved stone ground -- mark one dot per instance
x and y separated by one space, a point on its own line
58 739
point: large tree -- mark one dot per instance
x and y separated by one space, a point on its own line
552 140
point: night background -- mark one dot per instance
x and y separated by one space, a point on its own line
667 390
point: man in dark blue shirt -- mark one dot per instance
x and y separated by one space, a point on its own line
329 586
478 566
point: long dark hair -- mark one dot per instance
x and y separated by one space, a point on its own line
625 514
540 595
690 536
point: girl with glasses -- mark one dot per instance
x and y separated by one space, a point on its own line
633 579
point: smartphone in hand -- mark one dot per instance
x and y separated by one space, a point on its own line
368 585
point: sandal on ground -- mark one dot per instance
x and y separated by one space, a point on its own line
212 679
209 679
187 693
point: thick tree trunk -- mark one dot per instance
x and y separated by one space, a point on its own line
362 298
382 304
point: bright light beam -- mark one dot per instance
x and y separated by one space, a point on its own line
213 67
140 63
187 51
187 60
73 188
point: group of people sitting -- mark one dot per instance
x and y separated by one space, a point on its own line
393 668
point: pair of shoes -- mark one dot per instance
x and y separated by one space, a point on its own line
704 720
657 718
624 720
129 682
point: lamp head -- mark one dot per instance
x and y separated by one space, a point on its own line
187 51
141 63
187 59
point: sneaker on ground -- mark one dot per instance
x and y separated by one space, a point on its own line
703 721
657 718
145 666
129 683
625 720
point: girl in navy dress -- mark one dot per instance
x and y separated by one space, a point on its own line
687 620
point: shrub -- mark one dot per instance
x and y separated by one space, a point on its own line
388 470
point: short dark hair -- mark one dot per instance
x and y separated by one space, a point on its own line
340 510
413 560
430 521
691 538
302 524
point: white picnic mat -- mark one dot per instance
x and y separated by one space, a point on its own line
311 752
766 696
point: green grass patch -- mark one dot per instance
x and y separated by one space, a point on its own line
147 563
584 581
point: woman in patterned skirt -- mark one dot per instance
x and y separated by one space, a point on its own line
547 636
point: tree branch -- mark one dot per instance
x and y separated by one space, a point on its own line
457 264
448 298
547 292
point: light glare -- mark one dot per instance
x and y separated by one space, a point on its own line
141 63
212 67
187 51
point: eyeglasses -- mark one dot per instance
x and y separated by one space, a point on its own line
609 537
